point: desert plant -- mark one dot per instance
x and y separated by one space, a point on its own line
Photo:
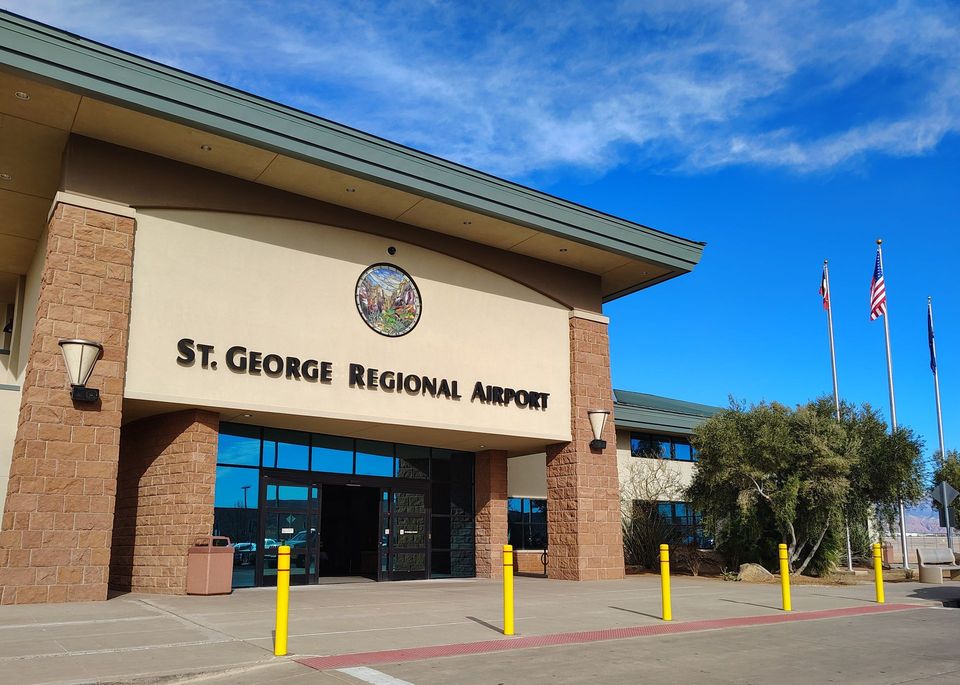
646 482
690 556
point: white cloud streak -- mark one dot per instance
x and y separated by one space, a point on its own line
517 89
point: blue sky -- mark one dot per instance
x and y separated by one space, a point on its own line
780 133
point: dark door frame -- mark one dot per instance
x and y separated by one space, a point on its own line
392 516
311 479
267 479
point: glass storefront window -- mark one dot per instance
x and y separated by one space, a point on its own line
331 454
441 498
413 462
514 510
286 449
248 454
235 515
538 511
440 534
527 523
287 496
237 488
239 444
440 465
374 458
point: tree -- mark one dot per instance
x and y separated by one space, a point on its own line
645 482
770 473
889 468
949 470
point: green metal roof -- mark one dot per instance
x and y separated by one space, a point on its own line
640 411
93 69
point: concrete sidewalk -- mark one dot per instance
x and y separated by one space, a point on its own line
145 637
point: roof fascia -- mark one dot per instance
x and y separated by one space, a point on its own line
642 418
89 68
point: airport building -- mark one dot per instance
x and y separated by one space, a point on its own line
223 315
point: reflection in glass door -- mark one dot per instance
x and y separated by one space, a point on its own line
405 542
291 516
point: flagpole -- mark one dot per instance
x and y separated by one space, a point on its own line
836 392
936 379
893 410
833 354
936 387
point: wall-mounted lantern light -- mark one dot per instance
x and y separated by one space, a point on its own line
598 419
81 356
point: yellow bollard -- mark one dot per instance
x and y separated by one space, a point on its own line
785 578
878 572
283 601
508 589
667 610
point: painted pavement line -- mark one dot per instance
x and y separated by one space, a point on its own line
372 676
82 622
118 650
341 661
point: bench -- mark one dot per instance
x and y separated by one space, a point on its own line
933 562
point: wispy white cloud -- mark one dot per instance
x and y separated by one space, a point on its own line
526 87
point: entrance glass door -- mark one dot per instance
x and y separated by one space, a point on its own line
291 516
405 542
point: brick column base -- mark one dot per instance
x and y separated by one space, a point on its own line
165 484
583 488
491 519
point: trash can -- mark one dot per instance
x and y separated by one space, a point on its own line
210 566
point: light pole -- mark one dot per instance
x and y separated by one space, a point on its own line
244 488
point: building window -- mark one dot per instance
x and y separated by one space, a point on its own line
527 523
687 523
661 447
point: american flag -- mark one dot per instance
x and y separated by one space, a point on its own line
825 288
878 291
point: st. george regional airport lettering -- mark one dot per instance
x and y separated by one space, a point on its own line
240 359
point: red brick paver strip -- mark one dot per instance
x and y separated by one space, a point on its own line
323 663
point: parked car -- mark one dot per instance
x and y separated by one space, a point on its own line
244 553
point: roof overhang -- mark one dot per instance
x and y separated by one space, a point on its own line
79 86
654 414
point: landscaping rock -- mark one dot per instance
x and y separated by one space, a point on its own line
754 573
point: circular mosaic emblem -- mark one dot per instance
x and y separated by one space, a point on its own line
388 300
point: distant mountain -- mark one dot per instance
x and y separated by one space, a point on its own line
923 519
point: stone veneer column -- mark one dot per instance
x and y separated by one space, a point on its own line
491 506
583 489
57 523
165 484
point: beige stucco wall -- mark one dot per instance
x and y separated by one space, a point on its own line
288 287
527 476
655 479
14 367
26 316
9 412
7 372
